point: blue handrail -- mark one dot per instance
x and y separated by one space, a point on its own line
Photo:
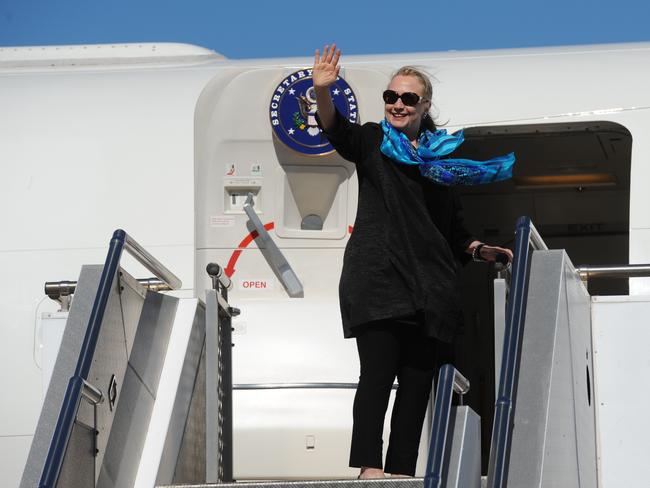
119 242
515 316
449 379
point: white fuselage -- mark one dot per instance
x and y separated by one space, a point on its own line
143 138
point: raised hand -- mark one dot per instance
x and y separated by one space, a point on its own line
326 68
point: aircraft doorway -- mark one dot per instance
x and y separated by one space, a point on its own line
573 181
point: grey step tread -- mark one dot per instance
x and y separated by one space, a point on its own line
347 483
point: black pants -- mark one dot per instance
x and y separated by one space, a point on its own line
390 349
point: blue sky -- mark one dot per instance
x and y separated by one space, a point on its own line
256 28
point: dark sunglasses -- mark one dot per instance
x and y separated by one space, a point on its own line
409 99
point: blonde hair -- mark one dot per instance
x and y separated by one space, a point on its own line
425 79
420 75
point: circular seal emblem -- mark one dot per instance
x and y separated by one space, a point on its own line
293 107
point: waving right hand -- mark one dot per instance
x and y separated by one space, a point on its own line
326 68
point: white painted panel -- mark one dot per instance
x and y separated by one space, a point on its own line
302 342
637 123
87 151
166 394
621 335
13 453
640 254
51 331
273 429
21 303
507 87
92 152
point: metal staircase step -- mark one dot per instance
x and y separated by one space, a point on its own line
379 483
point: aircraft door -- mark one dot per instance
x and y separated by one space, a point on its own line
257 141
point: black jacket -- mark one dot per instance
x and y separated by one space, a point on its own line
404 254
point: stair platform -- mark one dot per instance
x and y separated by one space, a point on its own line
346 483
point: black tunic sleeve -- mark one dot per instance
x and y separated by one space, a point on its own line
352 141
460 238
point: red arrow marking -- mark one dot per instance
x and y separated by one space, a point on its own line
230 269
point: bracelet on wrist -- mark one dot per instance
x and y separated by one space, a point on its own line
476 253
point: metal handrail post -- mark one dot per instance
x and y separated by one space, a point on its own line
621 271
449 380
219 438
535 239
56 290
225 337
515 315
146 259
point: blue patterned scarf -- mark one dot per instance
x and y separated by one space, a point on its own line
432 146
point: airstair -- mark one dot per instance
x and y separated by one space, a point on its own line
141 391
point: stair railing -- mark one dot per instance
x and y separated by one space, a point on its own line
78 386
526 236
449 381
